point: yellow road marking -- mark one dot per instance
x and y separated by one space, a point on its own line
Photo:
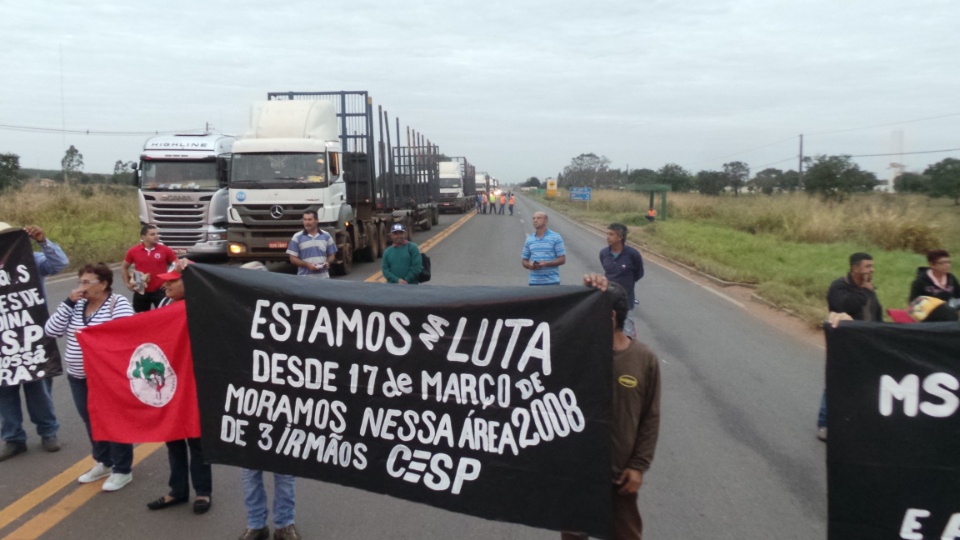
426 246
66 506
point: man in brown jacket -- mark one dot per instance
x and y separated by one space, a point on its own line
636 416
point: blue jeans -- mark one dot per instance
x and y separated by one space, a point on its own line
255 498
116 455
39 407
629 327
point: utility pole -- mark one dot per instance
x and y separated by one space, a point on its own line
800 163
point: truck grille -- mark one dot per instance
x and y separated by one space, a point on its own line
181 224
279 215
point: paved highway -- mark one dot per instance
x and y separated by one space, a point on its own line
737 457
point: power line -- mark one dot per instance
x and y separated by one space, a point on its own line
885 125
910 153
746 151
32 129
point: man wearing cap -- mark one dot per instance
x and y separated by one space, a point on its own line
151 258
402 262
312 250
543 253
623 265
38 394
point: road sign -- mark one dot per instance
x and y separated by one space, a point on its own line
581 194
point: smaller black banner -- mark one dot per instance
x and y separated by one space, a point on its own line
26 353
893 403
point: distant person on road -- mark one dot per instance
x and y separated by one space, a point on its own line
151 258
936 280
485 201
493 202
652 214
312 250
38 394
503 202
479 202
512 199
853 296
255 494
635 425
623 265
543 253
402 262
93 302
186 455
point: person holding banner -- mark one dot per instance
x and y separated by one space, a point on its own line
93 302
936 280
402 262
151 258
855 296
38 393
636 416
543 253
185 455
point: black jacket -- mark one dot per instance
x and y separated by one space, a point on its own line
844 296
924 286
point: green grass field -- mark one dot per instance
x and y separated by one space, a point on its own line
790 246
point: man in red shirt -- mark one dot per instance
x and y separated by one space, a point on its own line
150 258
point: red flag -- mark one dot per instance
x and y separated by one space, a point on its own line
140 377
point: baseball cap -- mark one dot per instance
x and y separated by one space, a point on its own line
398 227
169 276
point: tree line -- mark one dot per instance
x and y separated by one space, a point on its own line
71 171
833 177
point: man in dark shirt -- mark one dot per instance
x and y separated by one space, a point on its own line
852 296
635 424
623 265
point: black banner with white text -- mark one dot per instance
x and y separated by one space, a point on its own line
26 353
893 456
491 402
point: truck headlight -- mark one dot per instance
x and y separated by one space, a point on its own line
237 249
214 236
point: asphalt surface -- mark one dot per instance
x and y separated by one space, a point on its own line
737 457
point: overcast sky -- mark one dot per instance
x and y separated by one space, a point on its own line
518 87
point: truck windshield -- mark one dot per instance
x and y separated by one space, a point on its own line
293 170
449 182
179 175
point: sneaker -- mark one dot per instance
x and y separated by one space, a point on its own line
116 481
256 534
822 434
97 472
11 449
51 444
289 532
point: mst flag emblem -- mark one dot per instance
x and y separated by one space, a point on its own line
140 376
152 378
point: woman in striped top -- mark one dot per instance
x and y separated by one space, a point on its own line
90 304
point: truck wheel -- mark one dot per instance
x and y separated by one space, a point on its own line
369 252
346 266
381 240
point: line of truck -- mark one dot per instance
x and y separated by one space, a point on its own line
212 194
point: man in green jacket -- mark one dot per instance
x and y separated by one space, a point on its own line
402 262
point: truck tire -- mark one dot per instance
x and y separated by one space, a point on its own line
381 240
346 266
369 252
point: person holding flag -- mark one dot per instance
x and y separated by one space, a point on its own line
93 302
185 455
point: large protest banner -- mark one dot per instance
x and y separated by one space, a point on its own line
26 353
485 401
893 459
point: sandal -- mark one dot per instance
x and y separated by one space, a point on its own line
164 502
200 506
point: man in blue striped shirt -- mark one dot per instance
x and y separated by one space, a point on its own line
543 253
312 250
